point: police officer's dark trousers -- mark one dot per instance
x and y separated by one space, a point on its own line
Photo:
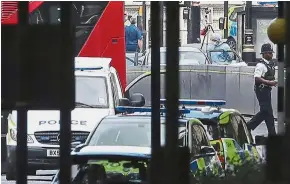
263 94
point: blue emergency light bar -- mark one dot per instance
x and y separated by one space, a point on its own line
198 102
89 69
126 109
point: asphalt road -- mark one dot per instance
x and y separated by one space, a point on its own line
42 177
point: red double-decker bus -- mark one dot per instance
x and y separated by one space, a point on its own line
99 27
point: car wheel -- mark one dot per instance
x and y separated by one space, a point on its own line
10 173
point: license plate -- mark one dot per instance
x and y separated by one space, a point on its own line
53 153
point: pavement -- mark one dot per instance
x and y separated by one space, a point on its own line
43 178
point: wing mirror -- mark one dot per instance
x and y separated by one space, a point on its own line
260 140
76 143
124 102
137 100
79 147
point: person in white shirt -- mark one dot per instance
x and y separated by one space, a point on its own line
264 81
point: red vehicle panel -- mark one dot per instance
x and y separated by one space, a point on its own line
99 27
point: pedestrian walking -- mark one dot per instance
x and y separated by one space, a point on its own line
264 81
133 37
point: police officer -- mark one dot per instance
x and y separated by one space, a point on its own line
264 81
133 37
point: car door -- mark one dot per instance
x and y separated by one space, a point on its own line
248 146
202 152
234 155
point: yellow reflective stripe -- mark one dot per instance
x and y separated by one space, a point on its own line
232 156
224 118
201 164
255 153
115 167
194 121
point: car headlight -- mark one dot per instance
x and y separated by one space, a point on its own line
13 135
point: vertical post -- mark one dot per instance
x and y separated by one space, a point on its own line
161 23
21 147
287 68
286 145
287 92
172 91
144 12
65 111
248 14
249 54
226 10
195 22
280 96
155 92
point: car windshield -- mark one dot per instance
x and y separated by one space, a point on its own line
115 133
185 57
108 171
91 91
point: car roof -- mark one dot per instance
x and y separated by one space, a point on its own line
143 118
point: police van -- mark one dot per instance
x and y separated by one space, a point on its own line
98 90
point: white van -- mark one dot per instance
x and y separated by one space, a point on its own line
98 91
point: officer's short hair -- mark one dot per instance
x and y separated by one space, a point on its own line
133 20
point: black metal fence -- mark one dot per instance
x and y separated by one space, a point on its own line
171 160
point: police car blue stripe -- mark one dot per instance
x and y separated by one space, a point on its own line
201 115
198 102
125 109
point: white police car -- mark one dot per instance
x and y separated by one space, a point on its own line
98 91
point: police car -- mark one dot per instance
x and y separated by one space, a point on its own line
98 91
129 134
227 131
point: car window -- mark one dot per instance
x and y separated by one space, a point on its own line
229 130
245 134
115 133
198 139
212 132
114 90
92 91
182 136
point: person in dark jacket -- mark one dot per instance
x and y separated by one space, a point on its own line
264 81
133 37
